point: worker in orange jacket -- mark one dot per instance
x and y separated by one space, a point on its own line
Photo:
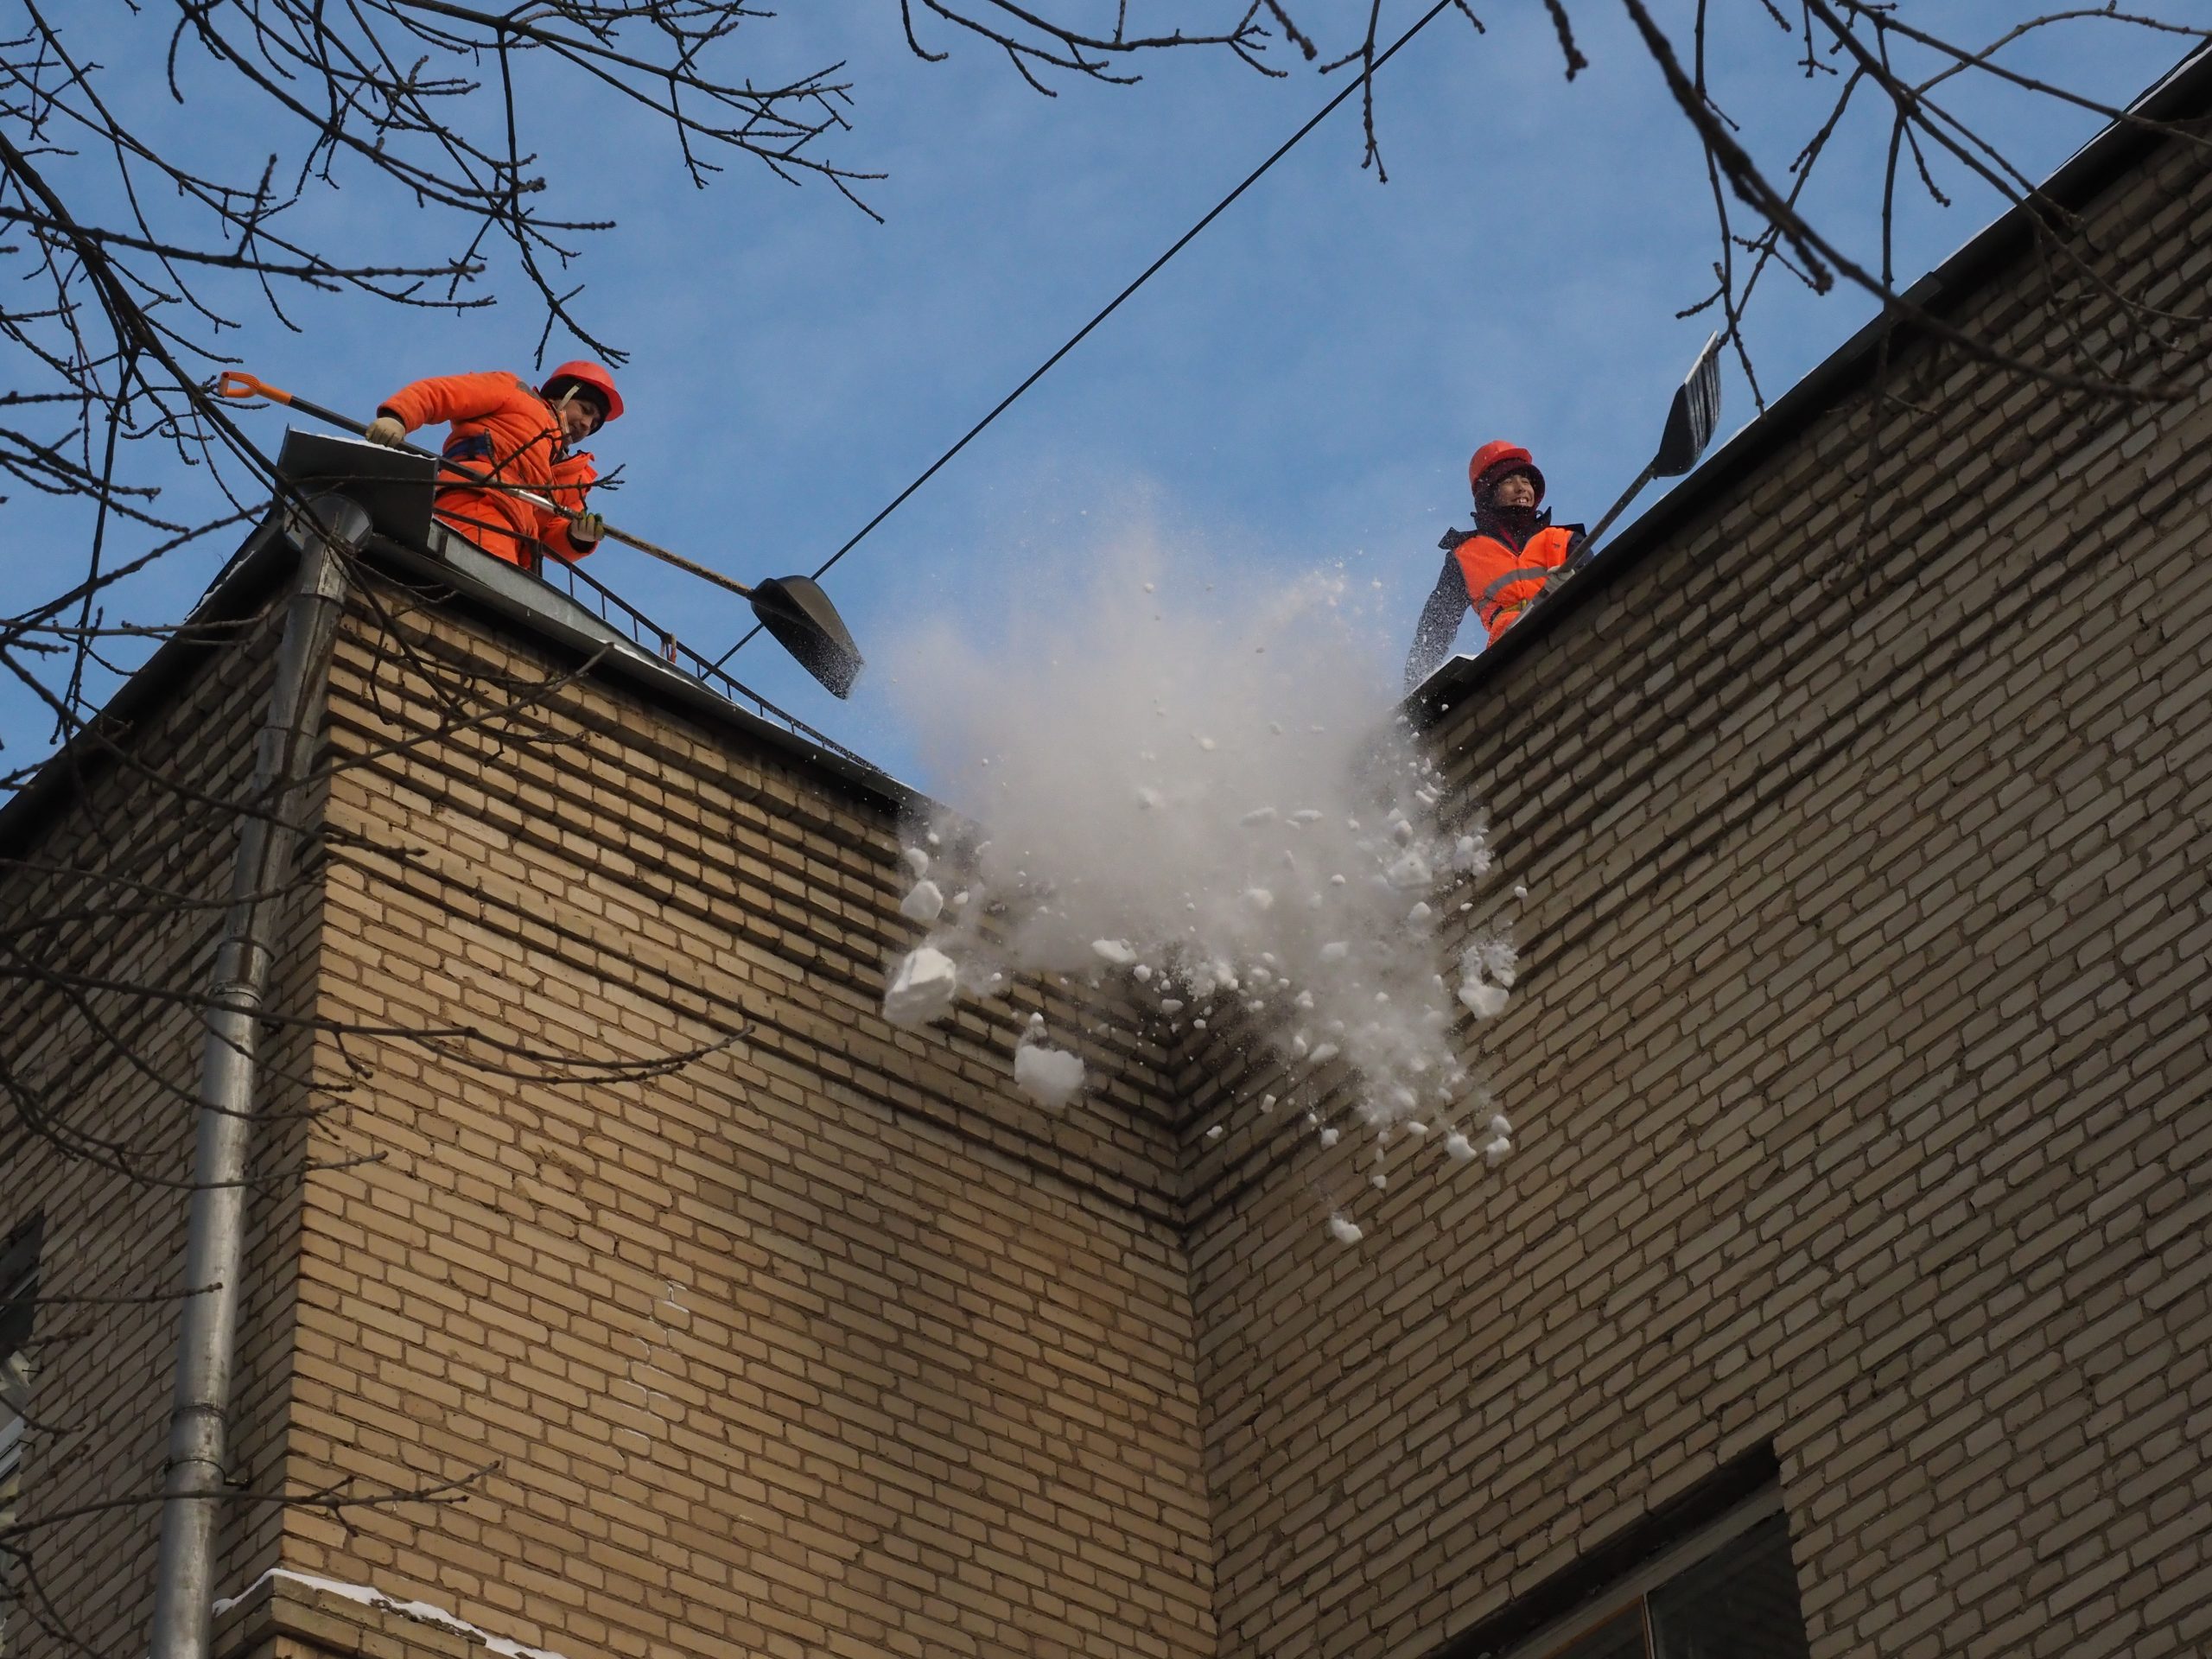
1501 565
501 430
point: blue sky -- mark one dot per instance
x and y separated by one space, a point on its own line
1301 386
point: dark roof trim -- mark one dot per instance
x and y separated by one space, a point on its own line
261 566
240 590
496 590
2184 94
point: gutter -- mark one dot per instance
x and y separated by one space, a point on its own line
325 532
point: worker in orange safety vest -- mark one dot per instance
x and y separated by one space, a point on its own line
1501 565
502 430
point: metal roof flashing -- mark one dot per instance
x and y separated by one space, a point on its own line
495 588
459 573
2182 93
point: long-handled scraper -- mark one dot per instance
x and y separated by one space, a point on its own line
792 608
1690 421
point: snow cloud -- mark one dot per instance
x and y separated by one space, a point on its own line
1195 781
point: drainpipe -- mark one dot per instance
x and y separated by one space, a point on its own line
323 531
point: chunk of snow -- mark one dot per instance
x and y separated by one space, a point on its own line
1345 1230
1050 1077
925 904
1258 815
1409 870
923 988
1306 815
1259 899
1325 1053
1483 1001
1499 1128
1492 959
1216 1133
1329 1136
1120 952
1458 1148
1420 912
918 862
1335 950
1149 798
1469 854
1494 1152
1267 1103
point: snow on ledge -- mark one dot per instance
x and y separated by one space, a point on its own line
421 1612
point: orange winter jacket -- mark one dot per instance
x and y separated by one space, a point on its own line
502 429
1500 582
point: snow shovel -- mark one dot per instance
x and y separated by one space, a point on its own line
1690 421
792 608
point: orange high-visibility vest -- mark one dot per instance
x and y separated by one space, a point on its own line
1500 582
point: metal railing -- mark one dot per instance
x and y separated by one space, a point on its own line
626 619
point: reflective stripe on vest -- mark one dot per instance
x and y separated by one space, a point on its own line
1539 571
1538 559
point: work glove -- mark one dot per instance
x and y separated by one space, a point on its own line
585 530
386 430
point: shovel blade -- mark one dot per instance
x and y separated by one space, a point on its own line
803 621
1696 411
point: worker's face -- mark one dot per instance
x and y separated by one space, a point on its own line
1515 490
578 416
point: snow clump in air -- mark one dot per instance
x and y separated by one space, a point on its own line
1050 1077
923 988
1201 793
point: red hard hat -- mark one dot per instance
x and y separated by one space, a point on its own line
1496 460
588 375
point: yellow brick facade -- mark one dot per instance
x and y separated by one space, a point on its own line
1861 1060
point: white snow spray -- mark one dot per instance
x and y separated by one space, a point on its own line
1197 783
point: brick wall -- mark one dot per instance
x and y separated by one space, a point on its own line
114 910
648 1293
1860 1061
819 1343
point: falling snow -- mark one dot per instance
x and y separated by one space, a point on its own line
1281 879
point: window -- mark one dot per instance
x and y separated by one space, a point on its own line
18 1284
1728 1592
1703 1574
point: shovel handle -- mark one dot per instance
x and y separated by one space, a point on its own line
677 559
236 383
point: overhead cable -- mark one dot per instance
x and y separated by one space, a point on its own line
1114 304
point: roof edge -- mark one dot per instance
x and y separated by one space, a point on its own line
260 566
2184 93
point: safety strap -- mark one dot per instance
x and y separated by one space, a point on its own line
476 446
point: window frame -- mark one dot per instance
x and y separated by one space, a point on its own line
19 1262
1633 1589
